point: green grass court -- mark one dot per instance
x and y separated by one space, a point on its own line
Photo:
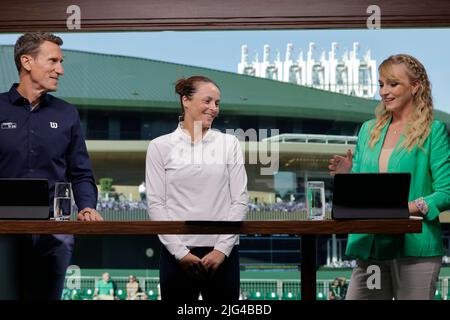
255 285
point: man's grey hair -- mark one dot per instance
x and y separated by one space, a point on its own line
30 42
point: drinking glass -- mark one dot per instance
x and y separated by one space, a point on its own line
315 200
63 201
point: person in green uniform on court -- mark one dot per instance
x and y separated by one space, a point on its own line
104 288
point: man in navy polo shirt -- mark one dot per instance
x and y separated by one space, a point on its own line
40 137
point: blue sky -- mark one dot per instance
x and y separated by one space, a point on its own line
221 49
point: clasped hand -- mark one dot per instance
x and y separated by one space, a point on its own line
202 268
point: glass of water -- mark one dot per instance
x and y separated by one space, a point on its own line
63 201
315 200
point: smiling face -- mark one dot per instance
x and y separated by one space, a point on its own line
396 89
45 67
203 105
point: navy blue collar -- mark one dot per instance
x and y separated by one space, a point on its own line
16 98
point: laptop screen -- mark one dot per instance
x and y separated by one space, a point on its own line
371 195
24 199
372 190
23 192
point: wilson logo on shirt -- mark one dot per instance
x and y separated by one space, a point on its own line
53 125
8 125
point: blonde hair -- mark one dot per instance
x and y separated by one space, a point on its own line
419 125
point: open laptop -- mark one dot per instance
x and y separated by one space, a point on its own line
24 199
371 196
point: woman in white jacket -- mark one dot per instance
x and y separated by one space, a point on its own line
197 173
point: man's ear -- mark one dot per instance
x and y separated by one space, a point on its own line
25 60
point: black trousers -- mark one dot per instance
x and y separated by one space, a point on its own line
33 267
177 285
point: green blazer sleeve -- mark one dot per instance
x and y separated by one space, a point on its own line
363 140
439 200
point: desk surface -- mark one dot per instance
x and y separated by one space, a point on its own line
394 226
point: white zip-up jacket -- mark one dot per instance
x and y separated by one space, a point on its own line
205 180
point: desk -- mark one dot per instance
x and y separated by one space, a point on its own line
307 229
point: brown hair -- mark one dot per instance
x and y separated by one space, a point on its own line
419 125
30 42
187 87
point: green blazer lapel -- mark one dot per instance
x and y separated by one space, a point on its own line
397 154
378 145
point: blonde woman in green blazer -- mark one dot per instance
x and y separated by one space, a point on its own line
403 138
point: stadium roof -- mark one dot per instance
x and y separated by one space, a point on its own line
94 80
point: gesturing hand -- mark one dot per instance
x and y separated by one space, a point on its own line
340 164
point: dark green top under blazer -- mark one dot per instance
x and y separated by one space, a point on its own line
430 178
